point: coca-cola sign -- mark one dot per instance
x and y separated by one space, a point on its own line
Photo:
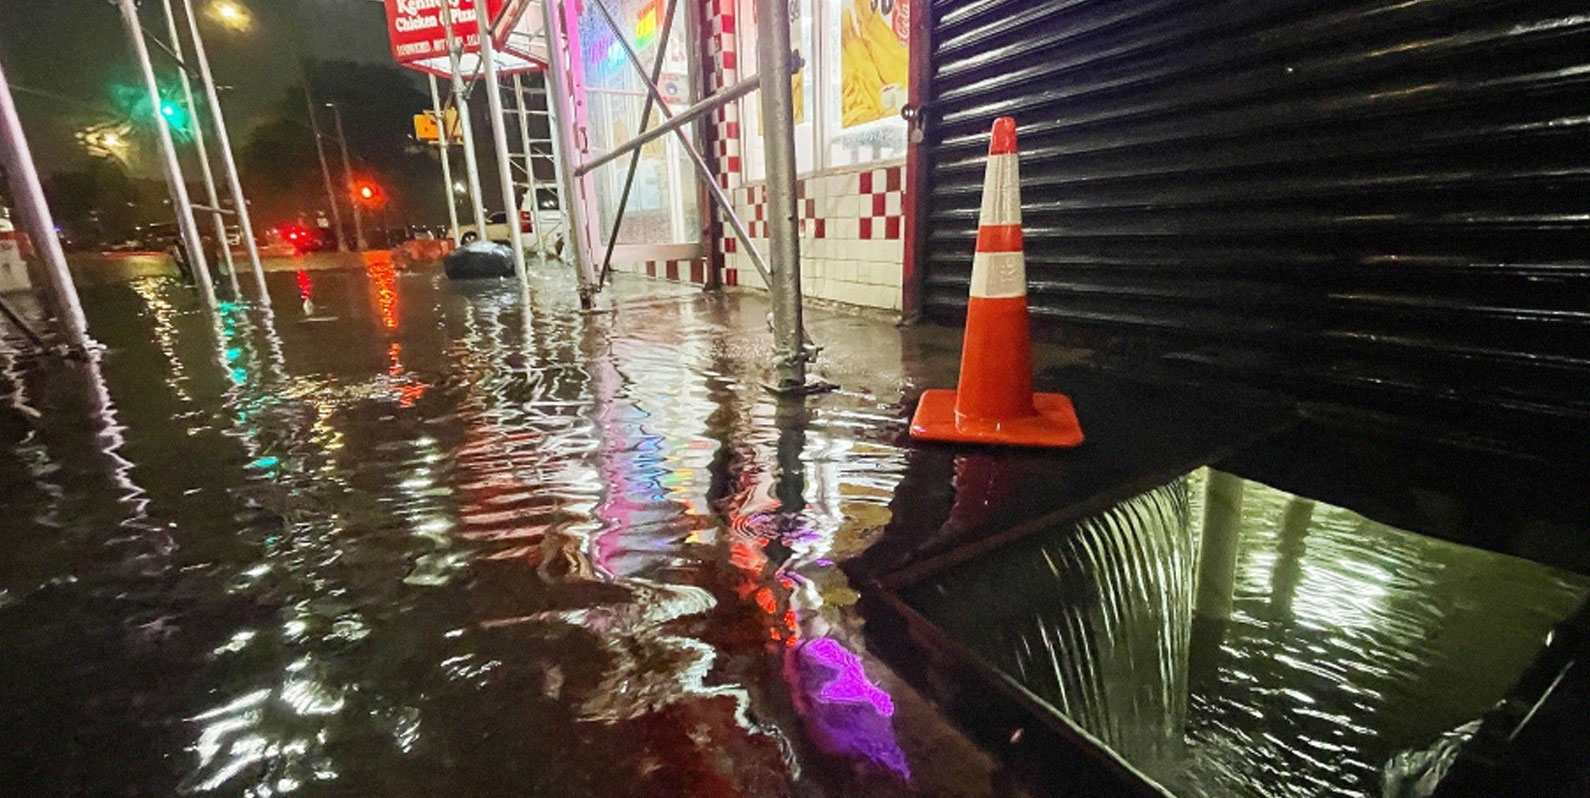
415 27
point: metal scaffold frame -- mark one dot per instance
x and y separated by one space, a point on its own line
561 70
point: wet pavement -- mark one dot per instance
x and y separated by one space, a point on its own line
401 538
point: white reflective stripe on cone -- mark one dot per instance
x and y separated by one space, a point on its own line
999 275
1001 191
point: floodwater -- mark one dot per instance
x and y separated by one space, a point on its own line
1339 641
401 538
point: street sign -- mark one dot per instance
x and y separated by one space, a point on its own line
426 128
415 27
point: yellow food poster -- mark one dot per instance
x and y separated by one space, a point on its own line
874 64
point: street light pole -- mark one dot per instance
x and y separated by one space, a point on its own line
347 178
325 171
168 159
223 139
29 197
210 193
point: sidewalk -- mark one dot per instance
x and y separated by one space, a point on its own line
400 538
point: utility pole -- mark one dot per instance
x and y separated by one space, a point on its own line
347 179
245 221
211 195
168 160
325 171
28 194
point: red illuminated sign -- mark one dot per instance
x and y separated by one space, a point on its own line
415 27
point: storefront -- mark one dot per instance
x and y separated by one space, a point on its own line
850 142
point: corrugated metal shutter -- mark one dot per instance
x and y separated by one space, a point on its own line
1381 206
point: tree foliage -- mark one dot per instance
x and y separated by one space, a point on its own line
378 103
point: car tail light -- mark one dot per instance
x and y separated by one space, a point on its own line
524 222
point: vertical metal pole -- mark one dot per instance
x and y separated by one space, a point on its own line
778 135
210 194
563 144
499 140
447 165
168 159
465 127
223 141
325 170
534 195
347 179
29 196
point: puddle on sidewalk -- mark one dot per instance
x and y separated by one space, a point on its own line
400 538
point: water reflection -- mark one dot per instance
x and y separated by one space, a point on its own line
404 536
1322 643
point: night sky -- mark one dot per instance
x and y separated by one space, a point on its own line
78 49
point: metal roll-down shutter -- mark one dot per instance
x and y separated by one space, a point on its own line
1382 207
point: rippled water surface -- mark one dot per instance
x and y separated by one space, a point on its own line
402 538
1344 642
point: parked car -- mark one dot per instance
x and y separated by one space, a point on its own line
547 217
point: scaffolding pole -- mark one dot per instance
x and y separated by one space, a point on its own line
28 193
168 159
447 165
223 141
774 58
534 193
205 171
499 140
465 127
563 144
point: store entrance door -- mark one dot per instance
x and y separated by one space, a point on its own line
662 219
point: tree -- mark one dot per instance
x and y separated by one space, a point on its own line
378 104
99 203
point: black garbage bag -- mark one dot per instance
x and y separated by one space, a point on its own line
479 259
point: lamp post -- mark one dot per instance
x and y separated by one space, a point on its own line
347 177
325 171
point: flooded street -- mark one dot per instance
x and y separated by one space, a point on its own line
400 539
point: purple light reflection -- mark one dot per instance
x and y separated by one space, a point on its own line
845 713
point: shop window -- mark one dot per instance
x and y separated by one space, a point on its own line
865 47
848 96
805 90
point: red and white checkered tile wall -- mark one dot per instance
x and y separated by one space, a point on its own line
693 271
851 226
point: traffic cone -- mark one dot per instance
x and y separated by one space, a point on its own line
995 403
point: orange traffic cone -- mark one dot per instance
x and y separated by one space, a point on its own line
995 403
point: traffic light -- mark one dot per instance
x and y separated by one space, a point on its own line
176 116
368 193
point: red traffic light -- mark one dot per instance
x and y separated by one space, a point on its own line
368 193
